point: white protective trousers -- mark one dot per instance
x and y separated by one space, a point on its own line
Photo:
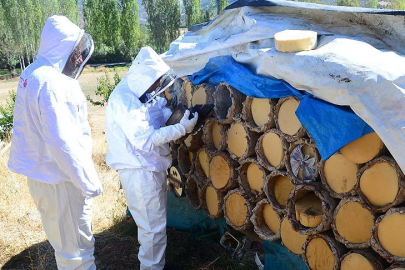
145 192
66 218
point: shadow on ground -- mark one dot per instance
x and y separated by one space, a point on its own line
117 248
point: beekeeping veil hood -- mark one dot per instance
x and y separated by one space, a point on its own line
146 69
65 46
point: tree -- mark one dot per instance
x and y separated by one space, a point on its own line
399 4
130 32
348 3
193 12
373 3
163 21
69 8
221 4
209 12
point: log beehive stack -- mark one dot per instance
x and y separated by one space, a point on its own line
254 164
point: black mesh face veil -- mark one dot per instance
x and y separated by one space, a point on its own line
79 57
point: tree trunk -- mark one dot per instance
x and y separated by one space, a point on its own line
271 150
228 103
237 210
202 94
214 136
259 114
266 222
277 188
252 177
351 211
241 141
310 209
222 171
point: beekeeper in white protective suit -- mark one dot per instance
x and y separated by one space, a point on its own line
138 148
52 143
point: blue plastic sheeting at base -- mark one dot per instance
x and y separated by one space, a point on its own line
180 215
331 126
277 257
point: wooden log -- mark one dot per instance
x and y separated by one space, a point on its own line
194 141
353 223
222 171
237 210
186 92
277 188
259 113
193 191
381 184
241 141
266 222
302 161
214 135
364 149
291 239
321 251
388 235
177 181
339 176
228 103
252 177
310 209
286 120
202 163
271 150
174 152
212 201
396 266
203 94
185 159
362 259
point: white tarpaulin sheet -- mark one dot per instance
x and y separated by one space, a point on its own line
353 65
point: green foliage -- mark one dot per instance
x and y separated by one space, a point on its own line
399 4
373 3
193 12
6 117
130 31
163 21
221 4
104 88
348 3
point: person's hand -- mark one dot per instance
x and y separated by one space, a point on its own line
189 124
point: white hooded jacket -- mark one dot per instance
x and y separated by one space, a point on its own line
51 136
135 132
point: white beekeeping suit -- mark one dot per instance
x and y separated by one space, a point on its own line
52 144
138 148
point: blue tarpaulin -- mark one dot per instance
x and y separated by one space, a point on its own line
276 256
331 126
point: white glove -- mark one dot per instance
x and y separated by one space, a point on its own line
189 124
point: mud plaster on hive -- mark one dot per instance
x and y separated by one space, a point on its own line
204 206
251 138
196 141
401 185
228 103
209 91
247 115
247 224
185 98
300 133
370 255
261 157
338 237
183 159
253 195
259 224
328 206
208 138
233 174
192 185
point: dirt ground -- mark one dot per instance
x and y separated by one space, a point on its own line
23 243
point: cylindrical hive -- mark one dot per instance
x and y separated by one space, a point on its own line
194 141
381 184
310 209
186 92
302 161
277 188
362 259
286 120
202 163
266 221
203 94
353 223
271 150
228 103
241 141
396 266
321 251
388 235
339 176
212 201
259 113
185 159
222 171
215 135
237 210
364 149
251 178
291 239
193 191
177 181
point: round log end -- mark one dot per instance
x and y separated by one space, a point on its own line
266 221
